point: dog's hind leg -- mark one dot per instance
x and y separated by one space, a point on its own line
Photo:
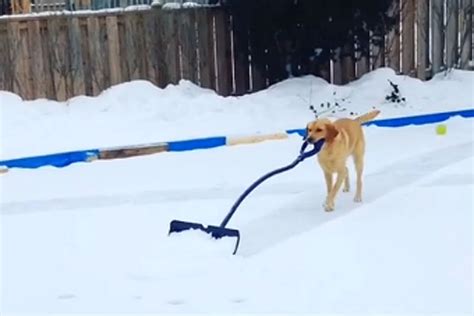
359 166
347 185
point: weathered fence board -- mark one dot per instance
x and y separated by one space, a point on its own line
466 33
348 63
337 68
363 59
113 49
452 21
88 85
152 43
408 36
25 62
14 47
258 73
47 65
241 54
95 55
187 43
259 80
223 45
76 52
437 34
131 49
4 73
205 38
171 49
392 46
68 54
422 49
324 69
39 88
378 56
139 42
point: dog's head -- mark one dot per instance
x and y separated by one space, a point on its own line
319 129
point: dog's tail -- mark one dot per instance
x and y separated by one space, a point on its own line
367 117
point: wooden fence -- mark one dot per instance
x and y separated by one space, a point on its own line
68 54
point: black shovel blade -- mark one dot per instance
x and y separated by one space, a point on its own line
216 232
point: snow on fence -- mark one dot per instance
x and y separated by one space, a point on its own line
64 54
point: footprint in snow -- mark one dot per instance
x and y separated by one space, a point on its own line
238 300
66 296
176 302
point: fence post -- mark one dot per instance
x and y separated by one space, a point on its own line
466 33
408 36
422 38
451 33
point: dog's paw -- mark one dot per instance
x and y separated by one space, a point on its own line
357 199
346 189
328 207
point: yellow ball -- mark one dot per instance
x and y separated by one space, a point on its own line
441 129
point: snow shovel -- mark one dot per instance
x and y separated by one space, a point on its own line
220 231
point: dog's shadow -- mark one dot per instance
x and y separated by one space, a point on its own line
305 212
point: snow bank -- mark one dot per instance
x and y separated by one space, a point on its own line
139 112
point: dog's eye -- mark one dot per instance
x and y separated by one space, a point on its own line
319 130
309 130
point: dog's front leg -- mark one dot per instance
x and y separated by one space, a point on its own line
341 176
328 177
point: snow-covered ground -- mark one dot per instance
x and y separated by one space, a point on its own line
92 238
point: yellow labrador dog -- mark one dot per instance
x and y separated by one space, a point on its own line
343 138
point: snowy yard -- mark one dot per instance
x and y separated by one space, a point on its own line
92 238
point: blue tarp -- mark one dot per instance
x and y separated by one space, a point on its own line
56 160
200 143
407 120
420 119
65 159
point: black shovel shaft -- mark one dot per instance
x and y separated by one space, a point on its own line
252 187
303 155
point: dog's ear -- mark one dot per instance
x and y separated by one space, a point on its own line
331 132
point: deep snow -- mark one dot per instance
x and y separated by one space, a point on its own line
93 237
